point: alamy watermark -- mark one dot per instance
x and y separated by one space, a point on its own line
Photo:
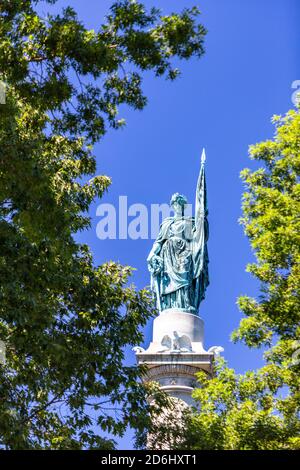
135 221
296 94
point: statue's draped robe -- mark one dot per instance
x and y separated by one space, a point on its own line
184 277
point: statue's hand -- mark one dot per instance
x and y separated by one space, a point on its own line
150 257
155 264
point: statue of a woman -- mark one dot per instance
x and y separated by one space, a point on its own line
178 261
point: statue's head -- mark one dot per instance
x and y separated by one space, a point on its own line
178 203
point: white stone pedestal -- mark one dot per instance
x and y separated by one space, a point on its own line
183 323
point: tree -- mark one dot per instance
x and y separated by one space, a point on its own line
260 409
66 322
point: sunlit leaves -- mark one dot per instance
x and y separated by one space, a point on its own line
82 76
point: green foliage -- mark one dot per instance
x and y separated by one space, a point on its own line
81 76
260 410
242 412
67 322
271 220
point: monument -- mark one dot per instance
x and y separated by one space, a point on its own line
178 265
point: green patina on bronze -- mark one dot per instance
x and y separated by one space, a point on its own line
178 261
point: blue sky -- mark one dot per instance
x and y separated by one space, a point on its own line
224 102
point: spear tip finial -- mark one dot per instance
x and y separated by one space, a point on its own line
203 156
